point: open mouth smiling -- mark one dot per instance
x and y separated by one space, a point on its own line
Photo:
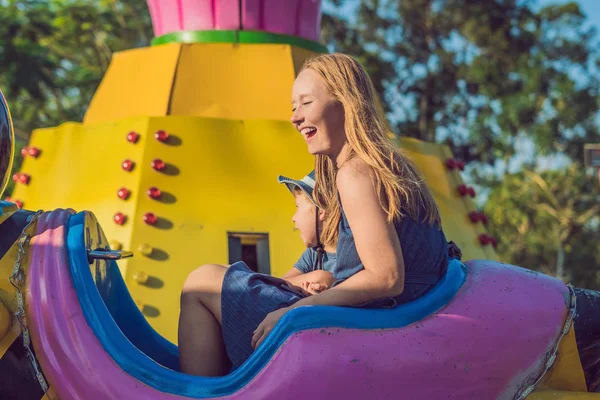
309 132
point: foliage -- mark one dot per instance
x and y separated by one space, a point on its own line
478 74
53 54
484 76
549 222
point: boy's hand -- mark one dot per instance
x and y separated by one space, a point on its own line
312 282
310 288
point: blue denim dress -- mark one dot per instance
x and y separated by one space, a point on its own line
247 297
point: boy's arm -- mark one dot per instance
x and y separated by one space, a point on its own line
296 278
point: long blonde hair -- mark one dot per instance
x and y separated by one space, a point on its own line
400 188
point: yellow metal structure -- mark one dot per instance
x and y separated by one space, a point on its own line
216 80
226 110
9 326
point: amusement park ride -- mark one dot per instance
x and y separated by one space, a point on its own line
177 159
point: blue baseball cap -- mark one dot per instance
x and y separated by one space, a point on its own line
306 184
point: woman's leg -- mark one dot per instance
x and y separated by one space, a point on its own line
201 347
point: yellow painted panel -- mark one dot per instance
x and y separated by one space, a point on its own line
430 159
50 394
226 181
299 56
137 83
6 210
80 168
562 395
5 320
567 372
8 301
248 81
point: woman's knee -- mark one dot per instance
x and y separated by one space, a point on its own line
205 279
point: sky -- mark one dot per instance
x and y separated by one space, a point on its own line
590 7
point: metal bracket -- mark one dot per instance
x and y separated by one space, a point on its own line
106 254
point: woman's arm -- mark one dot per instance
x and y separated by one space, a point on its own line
376 241
377 244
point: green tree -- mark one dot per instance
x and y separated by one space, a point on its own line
477 74
53 54
549 221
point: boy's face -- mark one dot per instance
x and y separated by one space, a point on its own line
304 219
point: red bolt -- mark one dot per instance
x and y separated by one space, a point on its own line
24 178
483 218
120 218
16 177
123 193
463 189
474 216
471 191
460 165
19 203
154 192
484 239
133 137
127 165
33 152
161 136
150 218
451 163
24 151
158 164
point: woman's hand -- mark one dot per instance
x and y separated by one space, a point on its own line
263 329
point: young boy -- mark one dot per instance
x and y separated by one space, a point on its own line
311 273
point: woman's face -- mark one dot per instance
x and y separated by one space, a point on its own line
317 115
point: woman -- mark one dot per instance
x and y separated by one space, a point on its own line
390 246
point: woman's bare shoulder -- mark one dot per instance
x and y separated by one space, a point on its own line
354 175
353 169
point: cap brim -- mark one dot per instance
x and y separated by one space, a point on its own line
291 184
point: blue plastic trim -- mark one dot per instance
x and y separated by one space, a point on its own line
124 311
145 369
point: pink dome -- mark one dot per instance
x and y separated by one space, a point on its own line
290 17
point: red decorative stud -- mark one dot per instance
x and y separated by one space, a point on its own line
484 239
124 193
127 165
24 178
474 217
120 218
463 189
483 218
451 163
154 192
19 203
150 219
16 177
133 137
471 191
33 152
460 165
158 164
24 151
161 136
